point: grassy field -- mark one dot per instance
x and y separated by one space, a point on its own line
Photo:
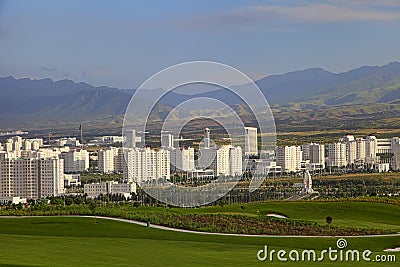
74 241
66 241
345 214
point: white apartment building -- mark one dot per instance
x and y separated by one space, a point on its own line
370 149
235 161
30 178
106 160
111 160
360 150
110 187
305 152
315 154
145 164
289 158
76 161
224 160
167 140
250 135
337 156
182 159
351 148
395 148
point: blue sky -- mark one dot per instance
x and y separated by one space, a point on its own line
121 43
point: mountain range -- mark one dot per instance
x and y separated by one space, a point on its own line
27 102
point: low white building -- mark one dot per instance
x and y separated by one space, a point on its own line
72 180
111 187
201 175
263 166
381 167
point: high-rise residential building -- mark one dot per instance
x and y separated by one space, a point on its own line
235 161
26 145
30 178
167 140
225 160
289 158
76 161
360 150
106 160
145 164
8 146
119 160
370 149
182 159
316 156
395 148
305 149
17 143
207 159
351 148
337 156
251 148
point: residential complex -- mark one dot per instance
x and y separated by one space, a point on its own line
29 169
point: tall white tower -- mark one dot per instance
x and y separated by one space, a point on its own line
206 138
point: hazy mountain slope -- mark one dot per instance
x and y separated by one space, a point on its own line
38 101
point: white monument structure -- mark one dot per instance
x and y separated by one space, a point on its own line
307 183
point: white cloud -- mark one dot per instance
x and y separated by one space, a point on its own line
281 18
330 13
373 3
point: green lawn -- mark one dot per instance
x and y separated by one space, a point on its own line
345 214
67 241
